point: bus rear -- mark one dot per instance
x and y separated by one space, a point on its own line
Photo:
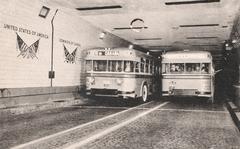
187 74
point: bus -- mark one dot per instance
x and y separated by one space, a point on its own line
121 72
188 73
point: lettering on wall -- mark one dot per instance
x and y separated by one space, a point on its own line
24 30
69 42
70 57
25 50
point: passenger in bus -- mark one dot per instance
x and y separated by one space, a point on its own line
173 68
204 69
127 67
189 69
118 67
197 68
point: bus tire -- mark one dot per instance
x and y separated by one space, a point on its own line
144 93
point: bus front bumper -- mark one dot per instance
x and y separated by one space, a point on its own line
111 93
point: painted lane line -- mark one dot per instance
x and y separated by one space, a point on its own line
198 111
100 107
74 128
113 128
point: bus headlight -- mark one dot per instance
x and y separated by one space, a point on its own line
90 80
119 81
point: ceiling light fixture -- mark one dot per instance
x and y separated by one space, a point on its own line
137 25
191 2
210 37
44 11
199 25
148 39
99 8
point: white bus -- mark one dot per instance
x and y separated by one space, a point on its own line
188 73
121 72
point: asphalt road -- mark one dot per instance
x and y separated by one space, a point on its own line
112 123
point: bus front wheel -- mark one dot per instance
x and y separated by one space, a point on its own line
144 93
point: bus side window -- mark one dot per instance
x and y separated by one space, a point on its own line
205 68
142 65
147 66
88 65
119 66
164 68
136 66
128 66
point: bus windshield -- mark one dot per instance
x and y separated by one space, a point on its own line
145 66
115 66
186 68
99 65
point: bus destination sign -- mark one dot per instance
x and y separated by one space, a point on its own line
108 53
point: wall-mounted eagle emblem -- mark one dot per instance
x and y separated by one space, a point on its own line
25 50
70 57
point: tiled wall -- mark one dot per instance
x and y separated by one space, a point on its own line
26 48
20 25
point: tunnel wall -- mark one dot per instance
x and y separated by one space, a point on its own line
27 57
235 35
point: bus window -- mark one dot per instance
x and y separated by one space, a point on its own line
115 66
128 66
147 66
136 66
165 68
205 67
88 65
177 67
192 67
100 65
151 67
142 65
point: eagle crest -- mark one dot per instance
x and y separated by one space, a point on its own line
25 50
70 57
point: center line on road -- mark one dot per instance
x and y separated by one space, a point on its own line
74 128
113 128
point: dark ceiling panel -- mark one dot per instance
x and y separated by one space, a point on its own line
99 8
191 2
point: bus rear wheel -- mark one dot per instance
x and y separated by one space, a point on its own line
144 93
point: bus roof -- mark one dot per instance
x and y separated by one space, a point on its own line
186 56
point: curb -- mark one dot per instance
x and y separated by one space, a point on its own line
38 107
234 112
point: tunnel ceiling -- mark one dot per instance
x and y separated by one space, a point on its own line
160 25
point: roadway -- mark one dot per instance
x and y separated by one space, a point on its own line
112 123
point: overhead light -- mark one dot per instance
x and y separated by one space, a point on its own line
148 39
198 25
129 28
102 35
207 45
130 46
190 2
99 8
44 11
203 37
139 23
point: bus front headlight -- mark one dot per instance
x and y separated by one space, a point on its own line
119 81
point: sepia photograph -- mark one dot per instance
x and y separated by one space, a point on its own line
120 74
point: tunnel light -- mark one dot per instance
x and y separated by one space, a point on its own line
44 11
198 25
191 2
102 35
99 7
